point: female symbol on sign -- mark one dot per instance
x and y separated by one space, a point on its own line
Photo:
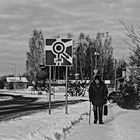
58 48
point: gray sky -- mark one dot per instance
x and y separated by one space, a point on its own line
18 18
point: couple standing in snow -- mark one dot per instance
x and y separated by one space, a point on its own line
98 97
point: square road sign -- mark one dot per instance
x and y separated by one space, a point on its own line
58 52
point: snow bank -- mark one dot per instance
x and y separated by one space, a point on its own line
5 98
126 124
42 126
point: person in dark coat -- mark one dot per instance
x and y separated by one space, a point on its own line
98 96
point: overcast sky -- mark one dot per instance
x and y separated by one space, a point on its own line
18 18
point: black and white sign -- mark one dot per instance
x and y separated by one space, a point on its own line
58 52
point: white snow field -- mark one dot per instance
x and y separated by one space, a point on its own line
42 126
120 124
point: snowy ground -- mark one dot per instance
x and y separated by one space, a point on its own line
42 126
120 124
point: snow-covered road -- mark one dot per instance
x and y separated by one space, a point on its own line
42 126
120 124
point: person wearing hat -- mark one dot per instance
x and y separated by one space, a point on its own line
98 96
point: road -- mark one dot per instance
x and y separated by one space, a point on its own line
20 105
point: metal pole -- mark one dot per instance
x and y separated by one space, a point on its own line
14 67
76 60
89 113
66 95
96 61
115 75
50 91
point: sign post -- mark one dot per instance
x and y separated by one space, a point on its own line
66 94
58 52
50 90
115 85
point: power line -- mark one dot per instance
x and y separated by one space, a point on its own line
12 58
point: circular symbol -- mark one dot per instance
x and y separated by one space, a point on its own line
58 47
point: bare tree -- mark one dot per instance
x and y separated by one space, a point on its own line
134 46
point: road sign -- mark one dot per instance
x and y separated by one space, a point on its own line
58 52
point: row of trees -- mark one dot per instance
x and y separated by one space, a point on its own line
93 53
88 54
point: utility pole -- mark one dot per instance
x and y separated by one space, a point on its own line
95 69
95 60
115 87
13 64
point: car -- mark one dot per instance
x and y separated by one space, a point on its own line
114 96
31 88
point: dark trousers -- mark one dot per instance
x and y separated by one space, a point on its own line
98 113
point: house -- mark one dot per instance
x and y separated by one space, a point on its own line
16 82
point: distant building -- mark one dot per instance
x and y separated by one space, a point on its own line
16 82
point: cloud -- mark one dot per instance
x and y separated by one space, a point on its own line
19 18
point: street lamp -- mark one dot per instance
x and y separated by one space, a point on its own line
76 56
105 37
76 74
124 73
14 67
115 85
96 54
